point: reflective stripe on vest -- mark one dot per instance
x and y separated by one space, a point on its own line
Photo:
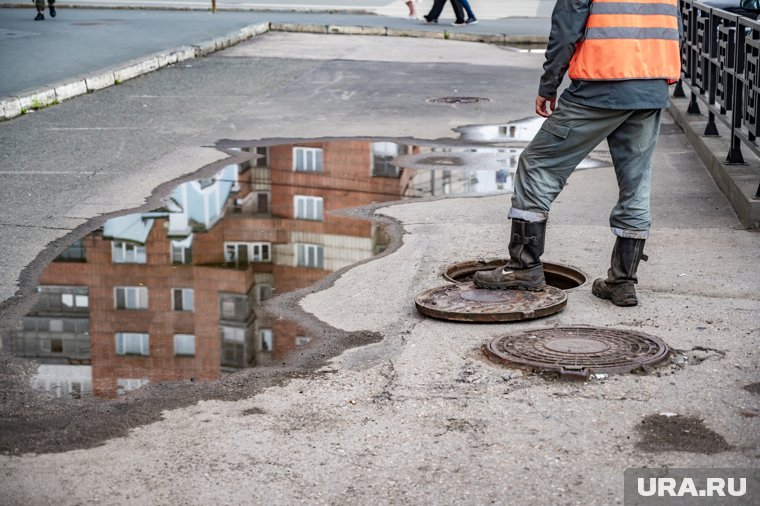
629 39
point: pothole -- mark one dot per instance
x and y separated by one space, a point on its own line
695 356
177 293
676 433
557 275
578 352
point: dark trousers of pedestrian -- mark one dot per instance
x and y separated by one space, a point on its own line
438 7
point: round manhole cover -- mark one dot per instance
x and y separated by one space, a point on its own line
457 100
578 351
465 302
557 275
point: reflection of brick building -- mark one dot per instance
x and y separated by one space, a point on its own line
172 294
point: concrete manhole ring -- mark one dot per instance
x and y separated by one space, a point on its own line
557 275
465 302
578 352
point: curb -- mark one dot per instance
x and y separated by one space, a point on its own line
52 94
738 182
219 8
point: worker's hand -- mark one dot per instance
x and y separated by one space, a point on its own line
541 104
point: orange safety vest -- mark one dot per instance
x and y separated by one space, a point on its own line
629 39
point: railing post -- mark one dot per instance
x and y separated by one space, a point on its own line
735 153
693 104
711 130
678 90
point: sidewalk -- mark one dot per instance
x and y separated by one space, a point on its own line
131 43
419 416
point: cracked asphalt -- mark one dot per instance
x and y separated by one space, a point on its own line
412 412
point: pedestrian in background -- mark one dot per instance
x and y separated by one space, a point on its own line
621 56
432 16
471 19
412 10
40 4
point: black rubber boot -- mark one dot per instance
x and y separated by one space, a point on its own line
621 276
523 270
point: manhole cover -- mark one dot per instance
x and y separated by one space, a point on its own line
465 302
457 100
578 351
441 160
557 275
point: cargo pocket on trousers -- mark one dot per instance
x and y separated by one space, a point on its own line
558 129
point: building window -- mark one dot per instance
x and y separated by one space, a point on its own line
131 297
74 253
243 253
233 334
267 339
235 307
70 300
184 345
307 159
302 340
310 255
382 155
262 202
308 208
262 160
182 299
181 253
55 325
128 343
127 253
264 292
54 345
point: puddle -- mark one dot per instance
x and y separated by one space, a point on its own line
177 293
676 433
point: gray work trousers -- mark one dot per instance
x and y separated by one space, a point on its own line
566 138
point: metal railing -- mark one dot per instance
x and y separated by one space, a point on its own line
720 60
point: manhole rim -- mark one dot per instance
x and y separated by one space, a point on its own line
664 351
507 317
471 266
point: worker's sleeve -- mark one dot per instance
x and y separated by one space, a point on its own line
568 25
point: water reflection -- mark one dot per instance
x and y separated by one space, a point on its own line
176 294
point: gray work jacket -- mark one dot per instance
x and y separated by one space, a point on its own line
568 25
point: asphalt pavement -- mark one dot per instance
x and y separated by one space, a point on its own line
418 415
39 55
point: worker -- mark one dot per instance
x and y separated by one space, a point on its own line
620 55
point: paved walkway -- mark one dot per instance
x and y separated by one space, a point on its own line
32 55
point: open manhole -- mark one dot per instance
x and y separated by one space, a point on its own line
465 302
557 275
458 100
578 352
453 161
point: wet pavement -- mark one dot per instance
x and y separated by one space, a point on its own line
413 411
177 293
